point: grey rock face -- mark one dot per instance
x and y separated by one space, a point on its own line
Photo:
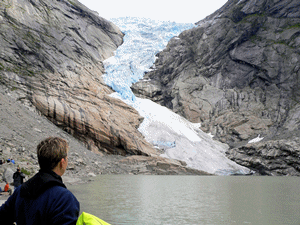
279 157
230 65
237 72
52 51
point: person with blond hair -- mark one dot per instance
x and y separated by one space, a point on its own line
44 199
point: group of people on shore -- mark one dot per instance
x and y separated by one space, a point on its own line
18 178
2 161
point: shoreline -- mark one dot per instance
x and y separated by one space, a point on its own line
67 180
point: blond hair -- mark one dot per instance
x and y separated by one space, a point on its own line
50 152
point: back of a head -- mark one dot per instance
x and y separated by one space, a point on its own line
50 151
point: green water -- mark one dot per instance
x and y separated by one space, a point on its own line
142 200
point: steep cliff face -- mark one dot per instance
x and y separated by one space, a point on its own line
273 157
237 72
51 53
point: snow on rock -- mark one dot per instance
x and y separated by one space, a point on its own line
257 139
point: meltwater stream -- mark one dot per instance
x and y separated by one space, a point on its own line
181 139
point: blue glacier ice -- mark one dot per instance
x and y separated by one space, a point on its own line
179 138
144 38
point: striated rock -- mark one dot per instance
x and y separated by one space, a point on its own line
51 53
102 122
270 158
237 72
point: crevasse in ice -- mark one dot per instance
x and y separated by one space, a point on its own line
179 138
143 39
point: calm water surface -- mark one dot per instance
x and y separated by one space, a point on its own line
142 200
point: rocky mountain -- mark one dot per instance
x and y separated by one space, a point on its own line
51 66
238 74
51 53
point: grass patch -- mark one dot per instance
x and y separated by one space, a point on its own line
19 70
72 3
297 25
287 27
254 39
281 42
26 172
249 18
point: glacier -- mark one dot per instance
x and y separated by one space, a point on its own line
174 135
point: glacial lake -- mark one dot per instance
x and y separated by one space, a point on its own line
174 200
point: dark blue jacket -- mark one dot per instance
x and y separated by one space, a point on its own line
43 199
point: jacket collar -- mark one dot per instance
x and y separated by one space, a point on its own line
40 183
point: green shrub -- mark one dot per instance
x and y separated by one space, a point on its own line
25 171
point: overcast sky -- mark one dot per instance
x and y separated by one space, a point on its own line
184 11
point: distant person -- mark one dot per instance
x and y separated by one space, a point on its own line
1 162
7 189
18 178
44 199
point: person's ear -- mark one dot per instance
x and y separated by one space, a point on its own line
61 163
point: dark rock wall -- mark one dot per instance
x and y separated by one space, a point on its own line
273 158
237 72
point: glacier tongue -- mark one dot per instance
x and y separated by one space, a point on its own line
143 39
179 138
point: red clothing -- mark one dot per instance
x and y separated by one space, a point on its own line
6 188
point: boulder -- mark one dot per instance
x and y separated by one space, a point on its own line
8 175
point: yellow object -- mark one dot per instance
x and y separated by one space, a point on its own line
89 219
